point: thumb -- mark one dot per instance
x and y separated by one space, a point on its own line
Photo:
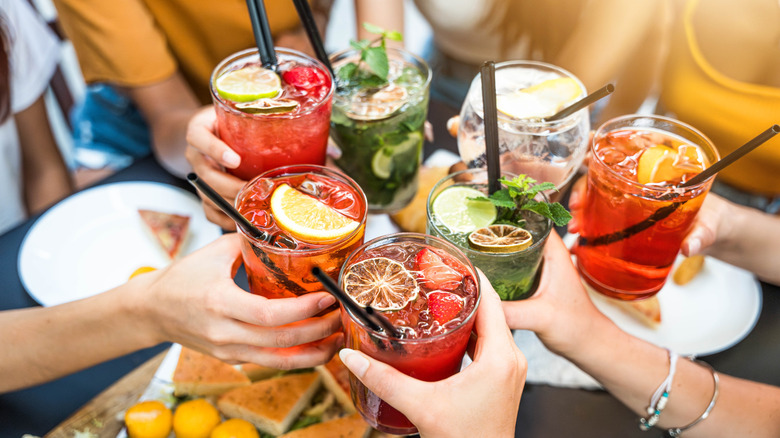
698 239
396 388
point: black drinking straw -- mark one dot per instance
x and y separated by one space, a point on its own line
488 74
367 315
262 31
732 157
582 103
307 18
240 220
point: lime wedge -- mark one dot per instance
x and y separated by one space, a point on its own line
541 100
382 163
453 208
248 84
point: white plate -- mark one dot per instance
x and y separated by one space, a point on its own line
713 312
93 240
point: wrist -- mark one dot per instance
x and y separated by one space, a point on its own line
140 312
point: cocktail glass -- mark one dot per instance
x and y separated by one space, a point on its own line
429 351
269 140
511 273
631 232
380 129
546 151
284 270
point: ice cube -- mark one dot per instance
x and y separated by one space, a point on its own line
311 188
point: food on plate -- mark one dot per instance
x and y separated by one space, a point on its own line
257 372
647 311
688 269
169 230
235 428
335 377
352 426
195 419
141 270
148 419
198 374
412 217
273 404
453 124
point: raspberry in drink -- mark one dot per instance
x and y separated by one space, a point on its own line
428 290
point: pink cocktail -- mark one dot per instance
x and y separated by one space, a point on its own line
270 139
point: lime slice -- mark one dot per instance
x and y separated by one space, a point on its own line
248 84
268 106
382 161
453 208
541 100
500 238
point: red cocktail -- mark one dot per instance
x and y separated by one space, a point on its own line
287 126
635 217
317 217
429 291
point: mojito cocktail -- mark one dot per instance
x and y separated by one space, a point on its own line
379 128
271 119
634 215
429 291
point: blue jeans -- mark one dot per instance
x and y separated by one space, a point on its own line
108 130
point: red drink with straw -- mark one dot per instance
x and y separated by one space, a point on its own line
635 217
271 119
428 290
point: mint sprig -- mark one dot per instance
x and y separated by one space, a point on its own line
373 56
518 194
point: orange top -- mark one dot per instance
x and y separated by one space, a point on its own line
727 111
140 42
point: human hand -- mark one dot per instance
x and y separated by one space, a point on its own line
481 400
577 204
208 156
560 312
711 225
195 302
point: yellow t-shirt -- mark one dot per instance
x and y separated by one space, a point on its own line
140 42
728 111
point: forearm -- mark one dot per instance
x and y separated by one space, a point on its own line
632 369
42 344
387 14
169 142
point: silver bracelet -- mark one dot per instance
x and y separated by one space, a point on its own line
677 431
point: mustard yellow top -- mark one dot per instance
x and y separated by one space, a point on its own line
141 42
727 111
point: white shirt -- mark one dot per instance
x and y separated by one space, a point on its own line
34 52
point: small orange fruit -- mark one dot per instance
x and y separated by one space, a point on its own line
148 419
235 428
195 419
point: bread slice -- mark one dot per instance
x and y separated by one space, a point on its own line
335 377
258 372
198 374
647 311
169 230
273 404
353 426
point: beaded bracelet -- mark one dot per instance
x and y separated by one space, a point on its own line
677 431
660 396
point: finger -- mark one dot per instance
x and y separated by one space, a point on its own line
493 334
301 356
217 216
286 336
257 310
399 390
201 135
699 238
577 195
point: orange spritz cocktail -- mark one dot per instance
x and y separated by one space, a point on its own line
316 216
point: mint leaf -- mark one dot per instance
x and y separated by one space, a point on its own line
347 71
541 208
376 59
560 216
519 193
502 198
393 35
373 28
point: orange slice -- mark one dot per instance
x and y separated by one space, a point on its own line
660 163
649 162
307 218
381 283
500 238
141 270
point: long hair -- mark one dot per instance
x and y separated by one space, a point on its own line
5 71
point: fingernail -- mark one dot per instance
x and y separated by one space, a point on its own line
354 361
326 302
694 246
231 159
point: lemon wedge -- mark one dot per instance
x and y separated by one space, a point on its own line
541 100
308 219
662 164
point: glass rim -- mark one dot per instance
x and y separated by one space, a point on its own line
418 236
537 123
428 73
302 169
467 251
253 51
601 131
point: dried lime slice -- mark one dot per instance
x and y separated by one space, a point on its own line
268 106
500 238
247 84
456 208
381 283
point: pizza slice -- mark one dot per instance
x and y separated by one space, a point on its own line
647 311
170 230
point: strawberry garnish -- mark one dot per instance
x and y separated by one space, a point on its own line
433 273
444 306
306 78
